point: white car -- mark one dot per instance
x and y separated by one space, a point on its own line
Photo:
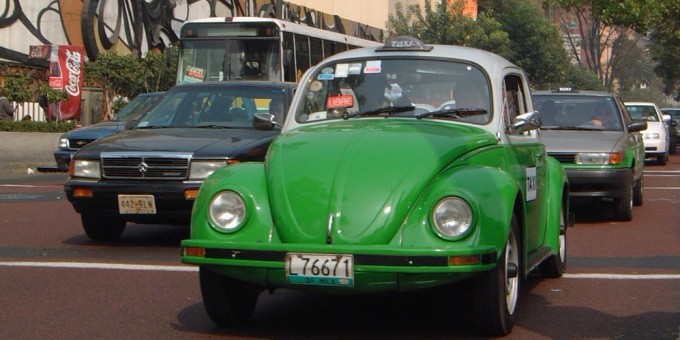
656 138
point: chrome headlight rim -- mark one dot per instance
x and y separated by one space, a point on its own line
64 143
452 218
86 168
227 211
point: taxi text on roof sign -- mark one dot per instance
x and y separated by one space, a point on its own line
404 43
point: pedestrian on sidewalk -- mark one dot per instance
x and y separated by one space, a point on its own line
6 109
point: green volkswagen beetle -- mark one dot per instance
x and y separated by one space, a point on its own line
402 167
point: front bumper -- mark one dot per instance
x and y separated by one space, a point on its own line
172 206
63 158
376 268
597 183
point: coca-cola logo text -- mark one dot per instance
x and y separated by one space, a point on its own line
73 61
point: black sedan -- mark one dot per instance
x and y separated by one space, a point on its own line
151 173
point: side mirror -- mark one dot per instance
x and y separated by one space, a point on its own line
264 121
667 118
525 122
637 126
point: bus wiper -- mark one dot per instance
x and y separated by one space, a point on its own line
390 110
452 113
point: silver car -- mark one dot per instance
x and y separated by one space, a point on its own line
598 143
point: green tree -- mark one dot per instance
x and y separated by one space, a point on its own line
16 89
535 42
446 24
665 46
126 76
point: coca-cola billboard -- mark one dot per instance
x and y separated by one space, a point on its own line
66 73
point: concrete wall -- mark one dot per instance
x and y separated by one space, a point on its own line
22 150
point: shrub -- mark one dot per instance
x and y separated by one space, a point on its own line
32 126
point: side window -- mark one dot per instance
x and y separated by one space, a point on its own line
514 98
316 50
289 68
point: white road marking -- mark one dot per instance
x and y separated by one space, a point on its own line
90 265
187 268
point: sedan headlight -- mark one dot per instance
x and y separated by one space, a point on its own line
63 143
203 169
652 135
227 211
599 158
452 217
85 168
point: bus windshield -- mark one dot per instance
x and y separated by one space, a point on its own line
229 59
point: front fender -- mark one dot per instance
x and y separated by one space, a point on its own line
490 192
249 181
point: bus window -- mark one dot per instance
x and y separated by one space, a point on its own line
316 50
302 57
288 58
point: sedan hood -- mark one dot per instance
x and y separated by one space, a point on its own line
215 143
96 131
569 141
353 182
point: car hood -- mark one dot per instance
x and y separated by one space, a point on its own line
568 141
354 182
245 144
96 131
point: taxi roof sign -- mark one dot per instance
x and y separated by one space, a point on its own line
404 43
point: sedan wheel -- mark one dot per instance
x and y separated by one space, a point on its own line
103 228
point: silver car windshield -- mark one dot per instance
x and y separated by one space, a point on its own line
355 89
578 112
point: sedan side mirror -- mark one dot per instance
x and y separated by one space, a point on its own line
637 126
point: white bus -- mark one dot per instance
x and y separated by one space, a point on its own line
252 48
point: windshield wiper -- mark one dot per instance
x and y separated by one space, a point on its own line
154 127
390 110
452 113
214 126
571 128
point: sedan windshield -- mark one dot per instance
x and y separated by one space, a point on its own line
213 107
396 88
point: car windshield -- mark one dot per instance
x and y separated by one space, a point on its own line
137 107
214 107
577 112
643 112
355 89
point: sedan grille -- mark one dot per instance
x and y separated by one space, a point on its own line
77 143
145 167
569 157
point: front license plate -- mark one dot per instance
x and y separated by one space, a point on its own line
136 204
320 269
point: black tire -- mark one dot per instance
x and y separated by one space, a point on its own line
639 191
228 302
102 228
556 264
496 292
662 159
623 206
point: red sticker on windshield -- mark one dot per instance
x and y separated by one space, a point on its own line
342 101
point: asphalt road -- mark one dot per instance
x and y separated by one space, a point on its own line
623 281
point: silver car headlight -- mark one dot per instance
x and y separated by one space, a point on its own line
203 169
63 143
227 211
652 135
86 168
452 217
599 158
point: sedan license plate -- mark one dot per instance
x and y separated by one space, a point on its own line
320 269
136 204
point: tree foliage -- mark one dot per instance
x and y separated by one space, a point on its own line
126 76
446 24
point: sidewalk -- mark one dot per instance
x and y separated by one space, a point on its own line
23 150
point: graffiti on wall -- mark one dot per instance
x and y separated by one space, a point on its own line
136 27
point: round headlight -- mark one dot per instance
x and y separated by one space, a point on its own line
227 211
452 217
